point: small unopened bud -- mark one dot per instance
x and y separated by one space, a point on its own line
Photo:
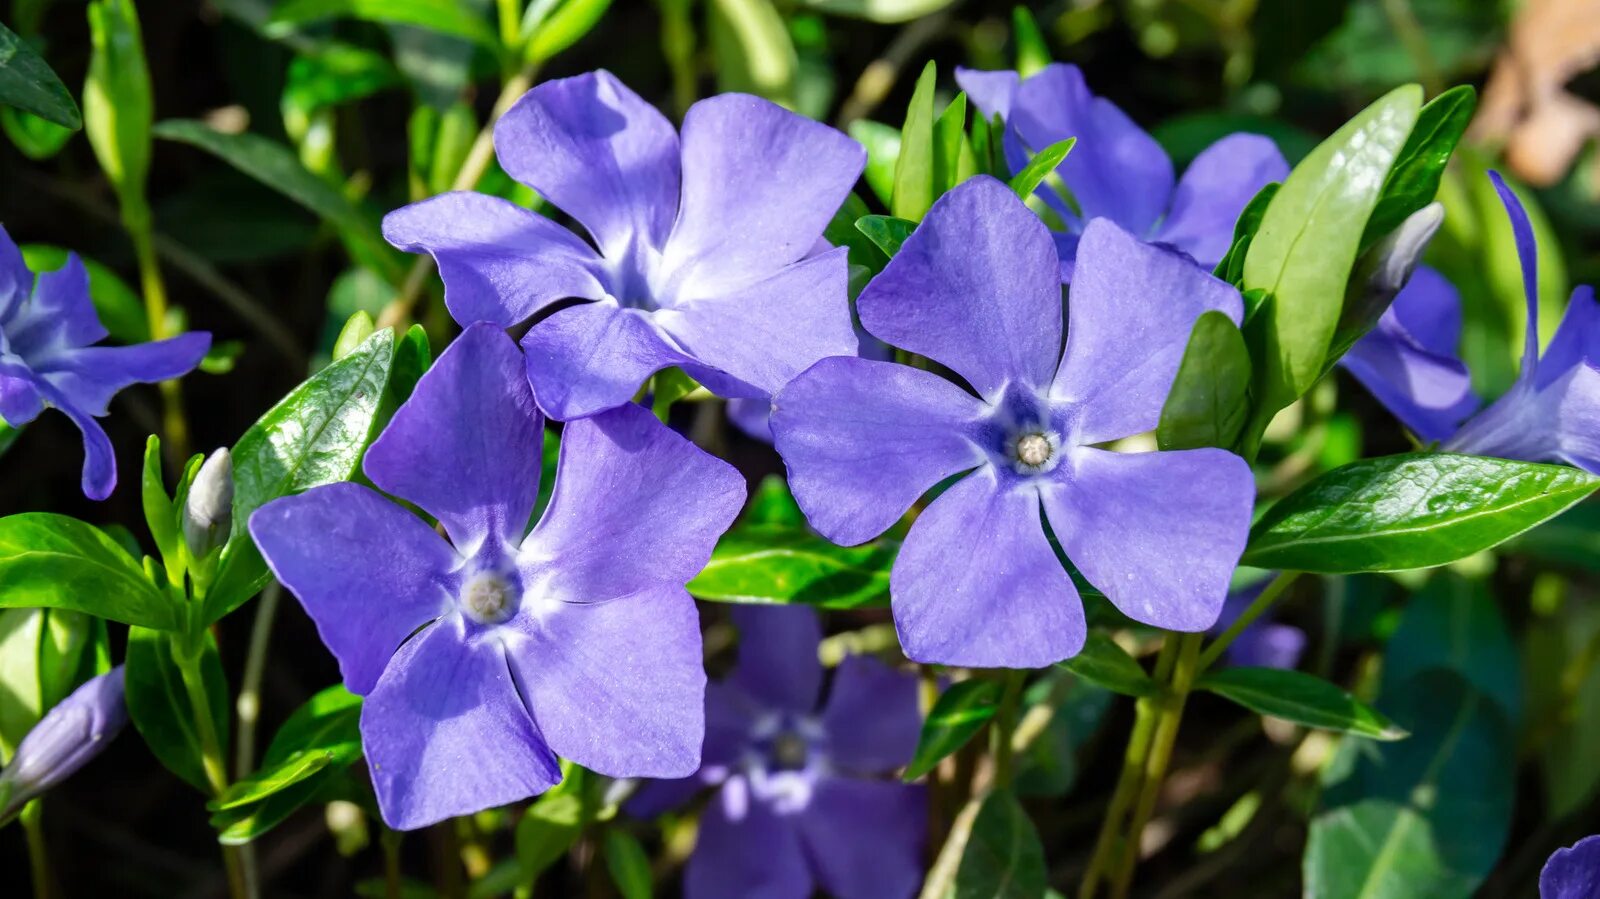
68 736
1381 273
208 511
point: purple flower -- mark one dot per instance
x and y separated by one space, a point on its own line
1117 170
47 358
483 656
797 808
1552 411
977 289
1573 872
1263 643
76 730
702 254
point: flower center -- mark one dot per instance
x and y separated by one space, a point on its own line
1033 451
789 751
489 598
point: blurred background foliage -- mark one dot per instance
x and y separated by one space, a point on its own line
283 130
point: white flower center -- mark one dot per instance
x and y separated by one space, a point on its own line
1033 449
489 598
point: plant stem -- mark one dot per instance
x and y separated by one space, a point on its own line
1109 841
38 853
1162 741
677 45
175 428
1005 724
211 759
248 705
1257 608
471 172
390 840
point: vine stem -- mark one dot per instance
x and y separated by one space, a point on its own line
174 426
398 311
212 760
248 705
38 854
1184 672
1256 610
1005 724
390 839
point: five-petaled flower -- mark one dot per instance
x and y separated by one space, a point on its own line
47 358
484 656
797 805
976 288
1116 170
1552 411
707 253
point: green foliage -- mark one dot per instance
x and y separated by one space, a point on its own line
44 655
1301 698
956 717
117 106
1003 858
883 11
1414 510
570 22
158 702
628 864
1414 179
52 561
883 156
443 16
1453 622
1105 664
1209 404
754 51
756 563
886 232
27 83
1040 167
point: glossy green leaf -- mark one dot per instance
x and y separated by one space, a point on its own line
886 232
159 705
37 138
1231 267
276 166
628 864
443 16
1307 242
117 106
570 22
1025 182
52 561
883 155
160 513
956 717
953 161
315 435
766 564
882 11
1003 858
842 232
1209 404
27 83
1415 510
914 165
1301 698
772 503
44 655
1104 663
1414 179
1425 816
1455 623
318 742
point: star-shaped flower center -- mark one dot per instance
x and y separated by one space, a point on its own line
489 597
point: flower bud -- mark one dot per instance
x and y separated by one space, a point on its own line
208 511
69 735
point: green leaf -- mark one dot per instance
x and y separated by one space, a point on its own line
1300 698
886 232
159 704
1033 51
27 83
753 49
36 138
1455 623
782 564
44 655
355 332
1231 268
771 503
1414 179
569 23
886 12
1415 510
1308 240
1049 766
553 823
883 155
628 864
117 107
953 160
842 232
667 387
335 74
914 165
277 166
1103 663
52 561
443 16
1209 404
160 512
1426 816
1025 182
1003 858
315 435
956 717
312 749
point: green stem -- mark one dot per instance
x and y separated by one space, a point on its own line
248 705
1109 842
38 853
175 428
1256 610
1184 673
212 760
390 840
677 45
471 172
1005 724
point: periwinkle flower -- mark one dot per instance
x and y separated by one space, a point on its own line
484 655
48 328
977 289
1552 411
1572 872
1116 170
798 805
76 730
705 250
